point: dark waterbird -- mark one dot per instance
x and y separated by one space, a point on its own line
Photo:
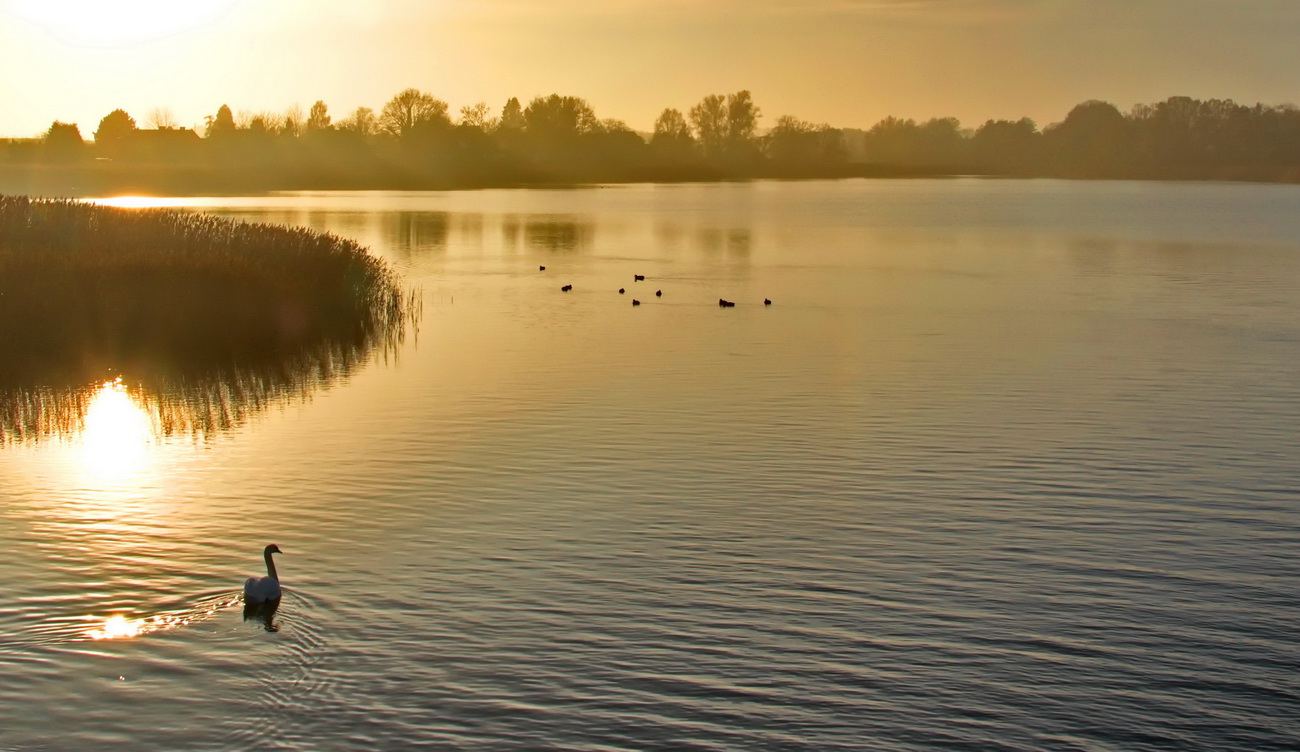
541 268
566 288
620 291
659 293
767 301
635 301
725 303
264 589
638 277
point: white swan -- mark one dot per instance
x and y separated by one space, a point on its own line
264 589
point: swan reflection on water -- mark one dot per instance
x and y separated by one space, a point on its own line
263 612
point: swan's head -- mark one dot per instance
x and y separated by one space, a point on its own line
272 549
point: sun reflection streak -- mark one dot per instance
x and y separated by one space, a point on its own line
121 627
117 628
118 433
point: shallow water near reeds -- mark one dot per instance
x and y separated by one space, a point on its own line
1006 465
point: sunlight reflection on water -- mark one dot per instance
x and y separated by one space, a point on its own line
117 627
120 626
144 202
118 434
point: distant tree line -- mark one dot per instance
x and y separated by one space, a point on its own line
1180 138
416 141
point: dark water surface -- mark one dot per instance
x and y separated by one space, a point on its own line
1006 466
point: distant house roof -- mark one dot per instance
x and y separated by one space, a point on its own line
169 135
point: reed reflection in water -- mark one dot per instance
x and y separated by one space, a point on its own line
117 419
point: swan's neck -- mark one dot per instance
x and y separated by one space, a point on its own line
270 567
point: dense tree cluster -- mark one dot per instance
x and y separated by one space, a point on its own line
1180 138
417 141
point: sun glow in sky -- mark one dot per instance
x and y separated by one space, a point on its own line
118 22
845 62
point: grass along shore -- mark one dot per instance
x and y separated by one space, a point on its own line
89 292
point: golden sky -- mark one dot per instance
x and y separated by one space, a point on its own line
845 62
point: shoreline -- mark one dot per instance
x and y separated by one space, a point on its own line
59 181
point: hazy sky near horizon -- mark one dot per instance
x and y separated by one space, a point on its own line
845 62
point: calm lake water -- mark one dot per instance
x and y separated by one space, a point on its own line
1006 465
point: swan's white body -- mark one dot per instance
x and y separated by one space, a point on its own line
264 589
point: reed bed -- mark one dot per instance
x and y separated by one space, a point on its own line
88 291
